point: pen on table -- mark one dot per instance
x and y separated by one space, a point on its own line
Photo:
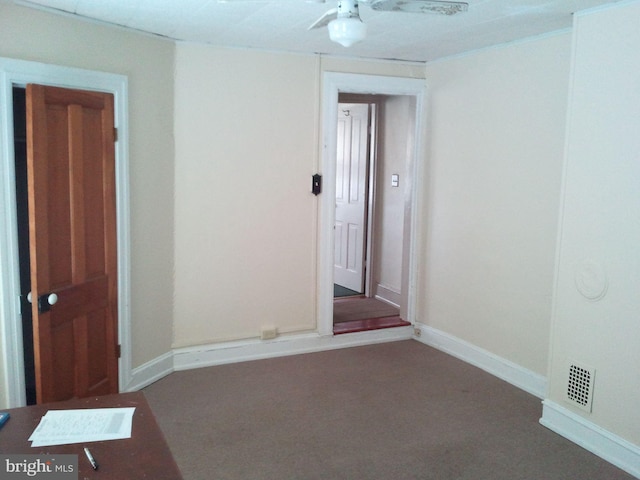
92 460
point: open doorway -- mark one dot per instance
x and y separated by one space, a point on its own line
389 261
373 159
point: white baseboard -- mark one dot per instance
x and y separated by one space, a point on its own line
387 295
245 350
590 436
525 379
150 372
255 349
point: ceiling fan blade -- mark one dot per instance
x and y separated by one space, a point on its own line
271 1
324 20
419 6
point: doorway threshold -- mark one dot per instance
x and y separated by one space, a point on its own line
367 324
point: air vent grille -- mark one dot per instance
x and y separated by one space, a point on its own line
580 386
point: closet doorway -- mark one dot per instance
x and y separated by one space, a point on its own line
15 370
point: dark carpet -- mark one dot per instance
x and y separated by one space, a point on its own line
391 411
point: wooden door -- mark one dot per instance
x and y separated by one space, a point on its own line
351 195
72 242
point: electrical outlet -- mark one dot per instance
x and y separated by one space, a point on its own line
268 333
417 332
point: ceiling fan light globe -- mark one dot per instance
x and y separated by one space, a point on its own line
347 31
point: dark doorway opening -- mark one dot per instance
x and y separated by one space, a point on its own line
22 209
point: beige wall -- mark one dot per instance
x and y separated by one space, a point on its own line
496 135
246 129
148 62
595 322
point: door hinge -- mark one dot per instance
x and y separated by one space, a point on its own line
118 351
115 134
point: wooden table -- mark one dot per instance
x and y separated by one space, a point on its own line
145 455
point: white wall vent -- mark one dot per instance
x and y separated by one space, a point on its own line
580 385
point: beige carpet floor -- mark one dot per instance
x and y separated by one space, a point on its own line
393 411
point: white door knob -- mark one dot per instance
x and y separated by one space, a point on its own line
52 299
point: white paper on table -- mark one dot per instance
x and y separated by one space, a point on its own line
60 427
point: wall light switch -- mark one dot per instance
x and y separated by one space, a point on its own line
395 180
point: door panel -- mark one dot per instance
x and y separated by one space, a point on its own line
351 195
71 177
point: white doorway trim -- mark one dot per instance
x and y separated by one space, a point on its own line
19 73
333 84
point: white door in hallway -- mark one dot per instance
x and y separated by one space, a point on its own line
351 195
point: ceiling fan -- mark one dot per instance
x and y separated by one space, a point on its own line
346 27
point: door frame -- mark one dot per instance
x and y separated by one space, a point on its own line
19 73
334 84
371 197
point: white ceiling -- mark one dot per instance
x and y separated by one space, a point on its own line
282 24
